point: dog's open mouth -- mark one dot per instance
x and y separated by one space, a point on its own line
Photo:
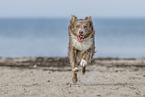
81 38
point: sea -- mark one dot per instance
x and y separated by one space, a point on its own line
48 37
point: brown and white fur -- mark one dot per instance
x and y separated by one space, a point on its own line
81 44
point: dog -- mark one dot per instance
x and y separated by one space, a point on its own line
81 44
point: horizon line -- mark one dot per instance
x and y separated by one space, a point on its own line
70 17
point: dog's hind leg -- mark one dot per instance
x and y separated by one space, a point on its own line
75 79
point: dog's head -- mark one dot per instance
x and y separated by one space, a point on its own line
81 28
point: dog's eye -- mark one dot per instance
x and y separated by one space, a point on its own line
85 26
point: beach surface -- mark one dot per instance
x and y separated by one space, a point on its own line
52 77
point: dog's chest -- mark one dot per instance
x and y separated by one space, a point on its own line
82 46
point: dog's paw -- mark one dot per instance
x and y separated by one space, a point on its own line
83 63
76 69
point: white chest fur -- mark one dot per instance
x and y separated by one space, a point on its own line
82 46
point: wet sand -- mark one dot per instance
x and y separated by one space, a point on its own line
104 78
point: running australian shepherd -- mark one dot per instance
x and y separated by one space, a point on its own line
81 44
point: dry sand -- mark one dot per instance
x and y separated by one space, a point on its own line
99 81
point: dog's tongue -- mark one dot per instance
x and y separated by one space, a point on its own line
81 38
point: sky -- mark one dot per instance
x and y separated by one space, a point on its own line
65 8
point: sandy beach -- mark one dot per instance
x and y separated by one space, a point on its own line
104 78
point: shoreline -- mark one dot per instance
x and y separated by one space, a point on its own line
61 62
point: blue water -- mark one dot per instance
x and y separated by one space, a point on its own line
121 38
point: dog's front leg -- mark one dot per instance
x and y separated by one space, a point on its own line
84 61
74 64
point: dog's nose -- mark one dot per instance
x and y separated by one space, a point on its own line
81 32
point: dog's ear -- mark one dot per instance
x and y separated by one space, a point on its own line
89 19
73 19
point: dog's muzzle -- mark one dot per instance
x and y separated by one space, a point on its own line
81 38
